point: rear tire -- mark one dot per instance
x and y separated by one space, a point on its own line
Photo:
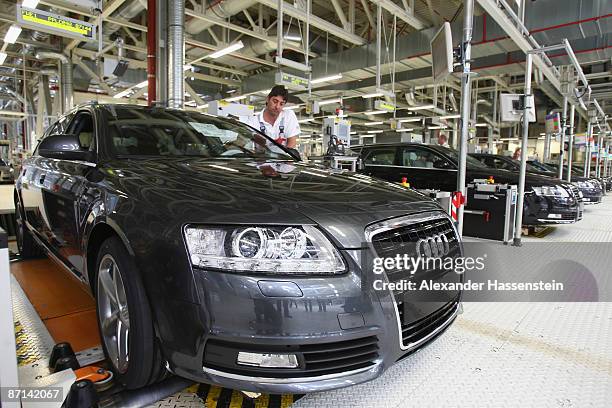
27 246
124 318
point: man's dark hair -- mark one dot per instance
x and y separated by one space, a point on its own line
279 90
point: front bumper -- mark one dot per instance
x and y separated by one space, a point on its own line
550 210
342 332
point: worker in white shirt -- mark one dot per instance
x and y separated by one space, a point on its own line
280 125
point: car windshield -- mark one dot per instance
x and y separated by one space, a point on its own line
138 131
541 166
454 155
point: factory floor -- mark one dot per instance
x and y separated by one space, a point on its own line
545 354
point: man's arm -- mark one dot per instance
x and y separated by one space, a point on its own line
293 130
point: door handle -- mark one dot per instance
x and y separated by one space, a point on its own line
41 180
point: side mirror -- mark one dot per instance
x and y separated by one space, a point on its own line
64 147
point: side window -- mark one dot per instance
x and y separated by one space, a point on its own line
488 161
501 164
385 157
415 157
83 127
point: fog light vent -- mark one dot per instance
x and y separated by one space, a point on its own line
267 360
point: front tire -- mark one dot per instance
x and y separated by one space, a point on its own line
124 318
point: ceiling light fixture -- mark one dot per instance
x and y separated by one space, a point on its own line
375 131
373 123
235 98
372 95
421 107
450 117
329 101
404 130
227 50
31 4
378 112
3 56
437 127
12 34
409 120
326 79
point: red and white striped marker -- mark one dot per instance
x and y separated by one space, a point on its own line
457 201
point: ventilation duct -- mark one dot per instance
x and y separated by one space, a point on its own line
66 85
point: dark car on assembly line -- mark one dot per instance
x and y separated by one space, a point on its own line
547 200
590 189
214 253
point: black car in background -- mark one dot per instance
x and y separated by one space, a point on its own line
547 201
215 254
592 188
589 188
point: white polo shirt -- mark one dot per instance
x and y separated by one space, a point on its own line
285 126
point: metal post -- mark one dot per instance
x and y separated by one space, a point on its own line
562 142
279 30
8 369
571 143
598 161
176 53
378 43
587 160
466 94
547 147
521 186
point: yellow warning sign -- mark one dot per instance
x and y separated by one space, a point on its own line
55 23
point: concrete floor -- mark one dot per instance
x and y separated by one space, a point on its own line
506 354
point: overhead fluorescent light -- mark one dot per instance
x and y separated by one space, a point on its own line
404 130
450 117
409 120
481 125
31 4
292 107
227 50
231 91
372 95
326 79
421 107
2 57
265 91
12 34
142 84
437 127
378 112
542 134
292 37
509 138
202 106
353 133
374 131
235 98
373 123
305 120
329 101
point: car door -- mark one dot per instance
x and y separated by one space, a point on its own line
64 181
427 169
381 162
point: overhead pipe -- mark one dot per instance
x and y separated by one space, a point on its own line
221 9
571 143
176 53
151 51
66 85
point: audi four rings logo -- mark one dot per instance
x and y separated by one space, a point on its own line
435 246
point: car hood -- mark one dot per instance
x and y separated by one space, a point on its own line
511 177
258 192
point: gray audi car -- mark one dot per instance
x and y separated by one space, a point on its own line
215 254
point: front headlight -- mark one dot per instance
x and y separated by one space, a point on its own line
585 184
270 249
551 191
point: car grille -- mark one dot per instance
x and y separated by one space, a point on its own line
568 216
414 332
403 240
314 359
575 192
